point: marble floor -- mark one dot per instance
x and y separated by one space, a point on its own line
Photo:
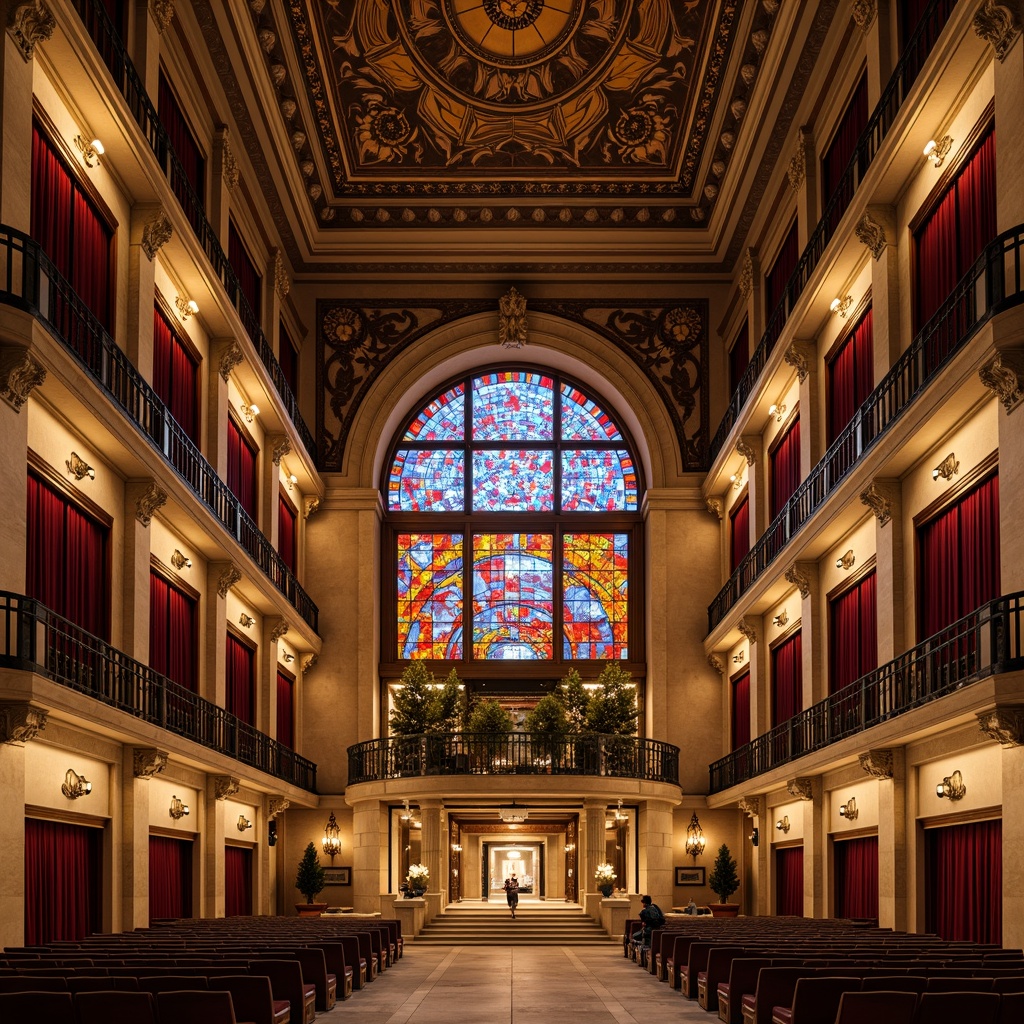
516 985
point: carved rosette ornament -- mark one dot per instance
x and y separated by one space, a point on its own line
714 506
162 12
20 374
999 24
228 578
748 631
802 789
797 172
312 505
877 763
20 721
799 355
1004 376
1005 725
229 359
278 805
225 786
864 12
875 230
799 579
750 806
281 447
31 23
715 662
280 629
281 283
148 761
748 453
148 502
747 272
880 498
156 234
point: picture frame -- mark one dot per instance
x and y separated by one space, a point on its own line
690 876
337 876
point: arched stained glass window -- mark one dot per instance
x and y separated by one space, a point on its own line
513 507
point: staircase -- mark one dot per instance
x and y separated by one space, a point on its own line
477 923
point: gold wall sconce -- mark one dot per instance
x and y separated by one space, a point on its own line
695 838
776 410
243 823
75 785
849 810
246 620
947 468
79 468
91 151
177 809
737 659
186 307
180 561
250 412
331 841
951 787
288 658
783 824
781 619
841 306
846 562
936 152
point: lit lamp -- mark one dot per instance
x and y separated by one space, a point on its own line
952 787
331 841
243 823
91 151
177 809
75 785
783 824
695 841
250 412
849 809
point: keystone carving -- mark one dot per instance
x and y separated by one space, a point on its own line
802 789
1004 724
800 579
800 355
229 359
148 502
225 786
1004 376
876 230
878 763
880 498
281 447
32 23
714 506
749 631
148 761
228 578
864 12
744 449
20 374
156 233
750 806
20 721
999 24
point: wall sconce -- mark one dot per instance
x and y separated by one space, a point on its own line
841 306
288 658
180 561
847 561
243 823
620 814
79 468
331 841
695 840
781 619
271 833
289 477
250 412
783 824
569 847
246 620
755 836
75 785
737 659
947 468
849 809
456 848
91 151
778 411
736 479
178 810
952 787
186 307
936 152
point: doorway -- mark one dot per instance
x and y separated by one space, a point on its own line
501 859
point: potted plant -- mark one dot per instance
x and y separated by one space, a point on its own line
724 881
310 882
416 880
605 878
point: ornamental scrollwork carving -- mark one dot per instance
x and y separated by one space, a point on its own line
747 630
800 355
148 502
878 763
747 272
312 505
881 499
20 375
228 164
225 786
227 579
1004 376
278 805
864 12
875 230
714 506
279 630
800 579
148 761
229 359
802 788
797 172
745 449
999 24
512 326
31 24
310 662
20 721
1004 724
715 662
281 283
162 12
750 806
155 234
281 446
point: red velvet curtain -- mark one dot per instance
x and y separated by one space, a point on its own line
286 532
63 881
856 877
853 639
170 877
739 535
237 881
842 149
782 270
240 684
739 357
789 881
249 281
289 360
741 711
181 138
51 202
787 680
851 377
241 469
175 375
785 468
173 643
285 711
964 882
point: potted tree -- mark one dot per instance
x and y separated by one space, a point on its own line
310 882
724 881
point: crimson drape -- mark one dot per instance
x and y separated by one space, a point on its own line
739 535
787 679
964 882
240 683
241 469
289 360
175 375
841 150
237 881
286 532
853 634
170 877
63 881
172 632
785 468
851 376
856 877
249 281
789 881
782 270
181 138
285 711
739 357
741 711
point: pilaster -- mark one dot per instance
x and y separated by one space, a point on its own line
803 179
885 499
804 576
16 367
369 855
877 231
656 858
12 828
1010 416
134 851
751 449
220 578
16 71
433 850
214 835
227 354
141 499
874 21
593 853
274 629
142 286
151 19
1009 100
815 845
889 767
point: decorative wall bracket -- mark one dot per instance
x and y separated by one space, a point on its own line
878 763
1004 724
148 761
801 788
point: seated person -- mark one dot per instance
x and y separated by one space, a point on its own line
652 917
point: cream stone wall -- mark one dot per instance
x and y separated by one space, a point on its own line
45 770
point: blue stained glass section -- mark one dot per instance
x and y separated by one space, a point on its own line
427 481
513 405
513 481
584 420
444 419
598 481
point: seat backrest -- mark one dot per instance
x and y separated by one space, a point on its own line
775 987
816 1000
334 956
940 983
32 983
115 1008
251 994
286 982
679 949
314 970
1011 1008
877 1007
199 1006
39 1007
172 983
1011 983
720 960
944 1007
894 983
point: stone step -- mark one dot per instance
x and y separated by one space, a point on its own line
493 925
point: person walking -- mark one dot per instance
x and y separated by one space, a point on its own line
512 893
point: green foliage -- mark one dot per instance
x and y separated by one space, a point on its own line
724 880
548 717
447 707
612 707
488 716
575 700
310 879
422 705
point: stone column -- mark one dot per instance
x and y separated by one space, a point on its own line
142 498
28 28
804 576
1009 96
138 766
877 231
150 229
750 448
226 355
223 181
656 859
150 20
369 856
815 843
592 854
874 21
266 683
889 767
218 788
220 578
803 179
884 498
433 850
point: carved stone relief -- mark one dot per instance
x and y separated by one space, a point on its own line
147 503
20 721
878 763
1005 377
748 630
1004 724
228 578
800 355
229 359
155 234
881 497
148 761
750 806
999 24
714 506
800 579
225 786
20 374
31 24
802 788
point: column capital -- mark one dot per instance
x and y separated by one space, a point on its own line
20 374
20 721
803 788
1004 376
30 24
878 763
999 24
877 229
1004 724
881 496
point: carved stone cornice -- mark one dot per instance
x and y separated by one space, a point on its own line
716 663
278 805
714 506
877 763
20 374
876 229
148 761
750 806
155 234
162 11
228 165
229 576
30 24
802 788
800 355
747 272
881 496
312 505
310 662
279 630
745 449
748 630
230 357
1005 377
864 12
20 721
999 24
148 502
1004 724
225 786
797 171
280 446
281 283
800 579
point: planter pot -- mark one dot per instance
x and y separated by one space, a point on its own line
310 909
606 890
725 909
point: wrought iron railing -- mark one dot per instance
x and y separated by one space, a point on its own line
868 145
130 85
513 753
35 639
986 642
992 285
29 281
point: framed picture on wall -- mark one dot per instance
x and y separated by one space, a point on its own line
337 876
689 876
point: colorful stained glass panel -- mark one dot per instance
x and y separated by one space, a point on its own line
430 595
598 481
444 419
595 592
513 598
584 420
513 405
513 481
429 480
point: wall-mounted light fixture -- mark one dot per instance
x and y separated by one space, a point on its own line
246 620
952 787
755 836
620 814
290 478
846 561
91 151
947 468
849 809
841 305
180 561
776 410
781 619
936 152
736 479
186 307
177 809
75 785
737 659
695 839
783 824
288 658
250 412
569 847
243 823
79 468
331 841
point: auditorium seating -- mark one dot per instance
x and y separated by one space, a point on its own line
877 1007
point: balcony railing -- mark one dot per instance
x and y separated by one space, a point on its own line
29 281
868 145
35 639
129 83
986 642
992 285
468 753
